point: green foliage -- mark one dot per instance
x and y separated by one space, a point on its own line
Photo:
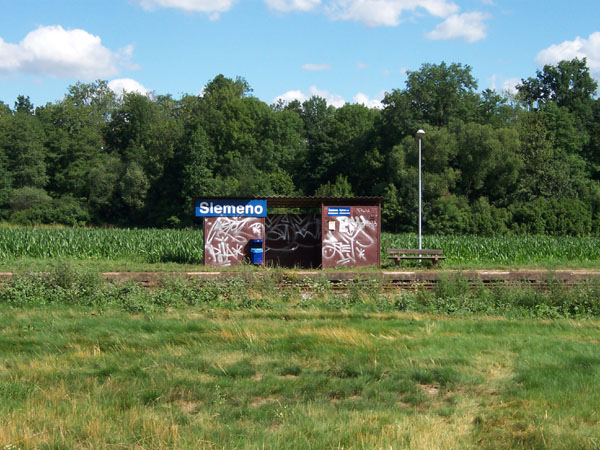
134 186
559 217
150 246
147 245
64 284
21 139
191 378
490 163
568 84
440 93
341 188
65 210
511 250
29 197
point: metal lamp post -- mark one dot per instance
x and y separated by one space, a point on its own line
420 135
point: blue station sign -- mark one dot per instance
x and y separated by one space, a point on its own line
333 211
231 208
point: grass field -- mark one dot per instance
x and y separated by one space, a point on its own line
172 250
251 364
73 377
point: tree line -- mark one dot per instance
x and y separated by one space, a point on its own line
492 163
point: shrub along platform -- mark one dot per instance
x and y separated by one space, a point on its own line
397 279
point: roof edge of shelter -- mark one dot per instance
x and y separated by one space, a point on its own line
305 201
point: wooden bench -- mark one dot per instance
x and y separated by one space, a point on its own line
398 254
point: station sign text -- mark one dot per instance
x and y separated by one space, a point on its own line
231 208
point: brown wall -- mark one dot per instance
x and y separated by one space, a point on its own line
227 239
351 241
297 240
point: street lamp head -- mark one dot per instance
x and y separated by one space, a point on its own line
420 133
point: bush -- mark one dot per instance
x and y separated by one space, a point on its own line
29 197
65 284
65 210
558 217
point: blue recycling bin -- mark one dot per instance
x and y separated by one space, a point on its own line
256 251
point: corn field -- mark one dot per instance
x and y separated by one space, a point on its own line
504 250
185 246
136 245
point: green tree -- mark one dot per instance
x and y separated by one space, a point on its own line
340 188
134 186
398 119
570 87
353 150
568 84
548 172
495 110
439 93
23 146
5 175
317 115
488 161
102 187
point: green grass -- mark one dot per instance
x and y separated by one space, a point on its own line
73 377
69 285
252 364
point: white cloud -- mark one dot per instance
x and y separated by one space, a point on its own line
507 85
10 57
579 48
54 51
212 7
361 65
364 99
332 99
469 26
316 67
124 56
510 85
121 85
386 12
292 5
290 96
373 13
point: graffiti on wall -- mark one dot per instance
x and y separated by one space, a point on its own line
288 232
349 240
293 240
227 238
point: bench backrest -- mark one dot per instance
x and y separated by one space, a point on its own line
413 251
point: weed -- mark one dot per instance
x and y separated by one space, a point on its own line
66 284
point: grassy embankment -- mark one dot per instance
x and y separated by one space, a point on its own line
24 249
295 379
86 364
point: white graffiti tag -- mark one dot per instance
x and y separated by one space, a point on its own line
288 232
227 237
349 243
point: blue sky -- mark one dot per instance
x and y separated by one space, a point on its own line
344 50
